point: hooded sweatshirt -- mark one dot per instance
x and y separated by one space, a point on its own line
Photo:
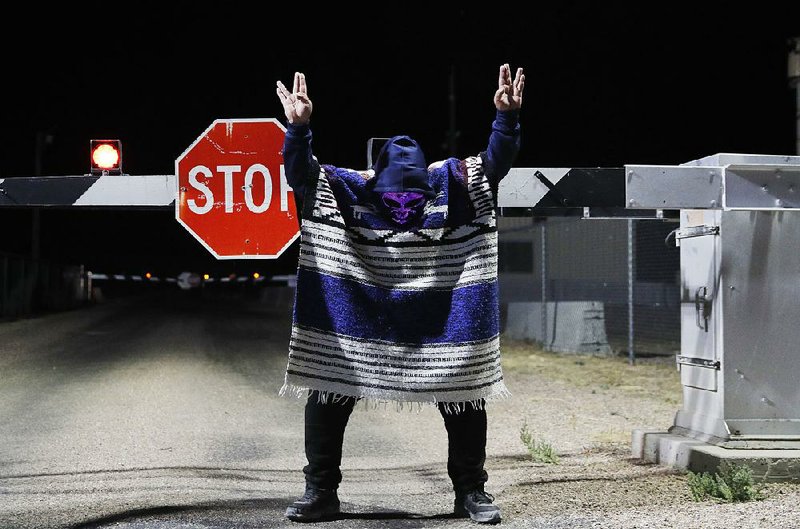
301 170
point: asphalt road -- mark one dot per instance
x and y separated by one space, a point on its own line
163 410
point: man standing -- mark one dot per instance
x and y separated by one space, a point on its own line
397 295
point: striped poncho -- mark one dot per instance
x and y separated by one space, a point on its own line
408 315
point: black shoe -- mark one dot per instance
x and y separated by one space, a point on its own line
315 505
478 505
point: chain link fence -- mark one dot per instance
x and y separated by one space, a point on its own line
601 286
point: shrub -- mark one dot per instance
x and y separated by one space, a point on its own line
732 483
541 451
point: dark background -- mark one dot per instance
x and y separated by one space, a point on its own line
607 84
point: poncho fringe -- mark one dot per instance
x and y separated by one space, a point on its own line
324 397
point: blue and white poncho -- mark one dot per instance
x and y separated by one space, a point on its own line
403 314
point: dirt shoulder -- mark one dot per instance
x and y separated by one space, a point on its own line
586 408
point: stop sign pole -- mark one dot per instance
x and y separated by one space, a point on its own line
232 192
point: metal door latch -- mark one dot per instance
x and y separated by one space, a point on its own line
694 231
697 362
702 307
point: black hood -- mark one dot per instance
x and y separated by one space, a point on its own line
400 167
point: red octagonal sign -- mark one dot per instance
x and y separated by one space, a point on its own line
232 190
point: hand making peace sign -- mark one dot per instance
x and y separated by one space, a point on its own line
509 94
296 103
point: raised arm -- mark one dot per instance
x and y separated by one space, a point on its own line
297 155
504 140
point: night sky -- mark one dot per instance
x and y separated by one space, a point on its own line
607 84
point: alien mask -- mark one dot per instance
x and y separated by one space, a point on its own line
403 206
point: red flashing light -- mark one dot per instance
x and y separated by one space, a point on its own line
106 157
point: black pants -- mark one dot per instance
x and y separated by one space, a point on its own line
324 435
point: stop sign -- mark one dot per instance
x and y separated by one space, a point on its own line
232 190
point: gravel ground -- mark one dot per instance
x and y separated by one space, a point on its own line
586 408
